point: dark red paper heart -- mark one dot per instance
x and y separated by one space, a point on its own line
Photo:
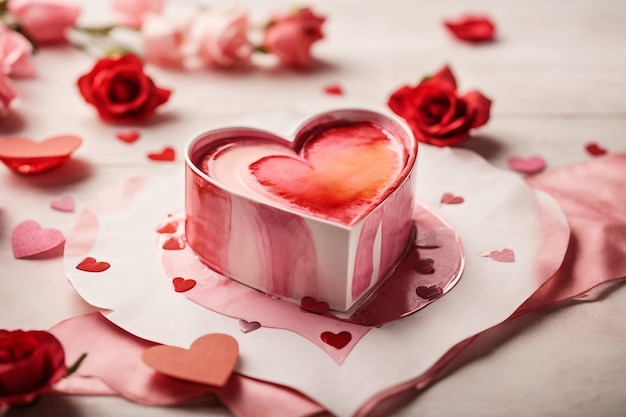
311 305
90 264
167 154
336 340
429 293
182 284
595 150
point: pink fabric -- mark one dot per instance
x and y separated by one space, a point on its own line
591 195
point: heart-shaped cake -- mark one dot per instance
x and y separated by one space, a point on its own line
327 215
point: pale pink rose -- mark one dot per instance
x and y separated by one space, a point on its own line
131 13
7 94
220 38
15 52
162 40
44 21
290 36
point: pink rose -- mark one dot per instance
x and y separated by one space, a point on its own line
131 13
220 38
44 21
290 36
162 40
15 53
7 94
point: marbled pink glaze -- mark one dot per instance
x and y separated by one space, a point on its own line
237 226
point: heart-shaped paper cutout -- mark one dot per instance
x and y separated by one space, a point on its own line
26 156
311 305
182 284
595 150
248 326
65 204
429 293
90 264
174 243
210 360
128 136
169 227
505 255
336 340
166 155
449 198
530 165
30 239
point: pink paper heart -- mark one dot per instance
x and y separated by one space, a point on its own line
248 326
530 165
65 204
505 255
449 198
29 239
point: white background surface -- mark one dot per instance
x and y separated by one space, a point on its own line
556 76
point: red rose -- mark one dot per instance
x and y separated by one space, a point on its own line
291 36
472 28
30 362
118 88
436 113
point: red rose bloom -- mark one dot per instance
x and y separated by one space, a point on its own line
118 88
436 113
30 362
472 28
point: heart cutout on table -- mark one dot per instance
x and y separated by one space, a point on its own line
210 360
505 255
182 284
174 243
311 305
530 165
30 239
336 340
449 198
90 264
168 154
26 156
594 149
128 136
429 293
338 170
248 326
170 227
65 204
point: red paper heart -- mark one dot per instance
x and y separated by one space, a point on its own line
90 264
531 165
429 293
333 90
170 227
595 150
311 305
425 266
128 136
210 360
248 326
65 204
29 239
174 243
182 284
26 156
336 340
167 154
505 255
449 198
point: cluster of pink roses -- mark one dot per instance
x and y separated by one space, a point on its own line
219 37
40 22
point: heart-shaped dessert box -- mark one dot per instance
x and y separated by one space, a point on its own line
327 215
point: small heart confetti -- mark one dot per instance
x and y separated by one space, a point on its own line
333 90
336 340
26 156
248 326
167 154
210 360
449 198
531 165
311 305
170 227
174 243
429 293
594 149
425 266
90 264
128 136
505 255
182 284
65 204
29 239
